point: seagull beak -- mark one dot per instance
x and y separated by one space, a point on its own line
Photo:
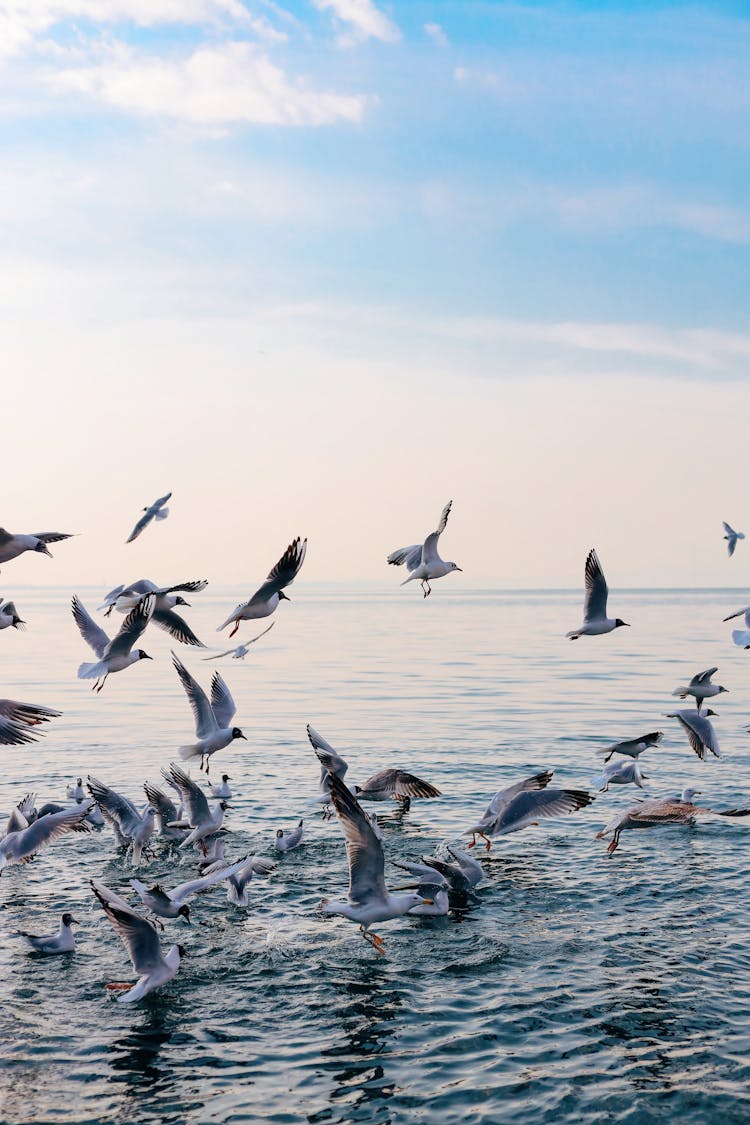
76 921
460 568
428 901
245 738
46 551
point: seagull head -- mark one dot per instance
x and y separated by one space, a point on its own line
279 833
283 597
144 655
185 912
236 733
42 548
181 601
619 621
455 566
721 689
225 776
68 918
708 711
182 952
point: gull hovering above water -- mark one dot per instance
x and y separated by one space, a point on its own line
266 598
523 805
114 655
23 844
731 537
699 730
620 773
595 620
131 828
212 718
701 687
9 616
198 816
173 904
11 546
142 944
155 511
650 814
369 900
423 560
125 598
632 747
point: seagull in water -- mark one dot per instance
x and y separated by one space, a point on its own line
650 814
23 844
701 687
699 730
288 841
125 598
223 791
423 560
741 637
9 616
11 546
241 651
155 511
369 900
595 620
173 904
19 720
62 941
731 537
212 718
114 655
523 805
238 882
632 747
141 941
266 598
198 816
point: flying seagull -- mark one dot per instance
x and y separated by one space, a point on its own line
142 944
125 598
212 719
632 747
18 721
266 598
423 560
241 651
595 620
523 805
11 546
741 637
22 845
731 537
650 814
9 616
155 511
116 654
701 687
699 730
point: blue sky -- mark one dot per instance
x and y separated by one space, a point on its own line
428 199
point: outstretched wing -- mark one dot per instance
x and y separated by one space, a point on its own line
364 850
132 627
173 624
330 761
285 571
398 783
143 522
538 781
529 807
205 720
412 556
595 597
429 547
92 633
51 536
138 935
24 845
193 797
703 677
223 705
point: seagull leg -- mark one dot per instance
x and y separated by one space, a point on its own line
473 843
613 846
101 685
374 940
119 986
236 627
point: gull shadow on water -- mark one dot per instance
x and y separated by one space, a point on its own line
368 1005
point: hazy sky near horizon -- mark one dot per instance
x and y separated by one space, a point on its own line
318 266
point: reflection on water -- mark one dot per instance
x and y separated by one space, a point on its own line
577 988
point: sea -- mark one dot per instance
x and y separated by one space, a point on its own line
578 988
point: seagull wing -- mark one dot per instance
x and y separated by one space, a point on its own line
51 536
365 852
203 713
700 733
138 935
132 627
194 586
114 806
330 761
429 547
143 522
285 571
166 810
173 624
111 597
738 613
185 891
161 501
703 677
412 556
527 808
193 797
92 633
223 705
24 845
398 783
595 597
538 781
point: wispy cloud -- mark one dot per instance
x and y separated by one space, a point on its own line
362 19
227 84
436 34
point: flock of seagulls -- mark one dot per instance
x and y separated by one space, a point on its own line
187 816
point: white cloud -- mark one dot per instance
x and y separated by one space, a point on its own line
364 21
436 34
216 86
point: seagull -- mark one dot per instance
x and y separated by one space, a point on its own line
61 942
369 900
125 598
395 785
731 537
522 805
699 730
267 597
11 546
222 790
741 637
198 816
131 828
238 882
19 720
287 842
142 943
330 763
241 651
173 904
212 718
155 511
619 773
22 815
166 813
472 868
9 617
701 687
116 654
650 814
76 792
423 560
373 818
595 620
632 747
23 845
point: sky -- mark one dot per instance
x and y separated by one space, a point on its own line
319 266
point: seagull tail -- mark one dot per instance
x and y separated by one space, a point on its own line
162 513
409 579
187 752
228 621
92 671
